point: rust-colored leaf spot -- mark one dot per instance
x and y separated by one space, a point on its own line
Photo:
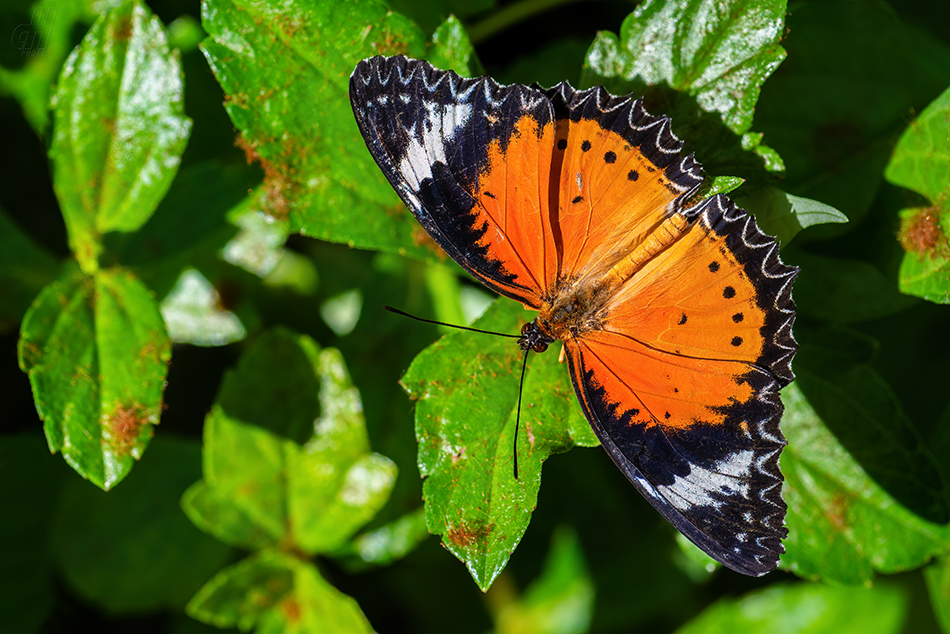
279 175
465 535
123 29
125 426
291 610
920 233
838 513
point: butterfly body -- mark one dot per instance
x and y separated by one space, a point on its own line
675 315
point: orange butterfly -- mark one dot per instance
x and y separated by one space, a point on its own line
676 320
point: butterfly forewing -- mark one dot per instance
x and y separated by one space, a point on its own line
436 137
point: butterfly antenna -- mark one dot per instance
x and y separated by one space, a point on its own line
524 366
442 323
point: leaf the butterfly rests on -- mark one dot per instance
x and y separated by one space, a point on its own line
676 319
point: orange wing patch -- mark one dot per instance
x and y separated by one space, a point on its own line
693 299
610 197
513 198
645 386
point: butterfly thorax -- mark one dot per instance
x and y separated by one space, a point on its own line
578 308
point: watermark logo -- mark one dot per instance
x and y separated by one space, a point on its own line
31 39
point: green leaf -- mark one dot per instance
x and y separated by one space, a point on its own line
276 593
244 463
241 594
386 544
132 550
193 314
834 112
560 601
805 609
844 290
97 354
926 276
25 269
278 384
327 509
937 575
921 159
334 485
216 514
466 391
921 162
44 40
258 478
702 62
782 215
296 120
118 128
842 524
299 126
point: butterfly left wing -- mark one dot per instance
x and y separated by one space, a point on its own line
472 161
681 384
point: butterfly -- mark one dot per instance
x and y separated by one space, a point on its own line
675 314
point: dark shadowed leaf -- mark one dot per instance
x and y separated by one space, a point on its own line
31 485
96 352
559 601
843 525
835 108
118 128
466 392
132 550
25 268
844 290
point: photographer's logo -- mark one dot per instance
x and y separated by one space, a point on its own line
31 39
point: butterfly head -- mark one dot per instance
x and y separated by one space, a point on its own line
534 338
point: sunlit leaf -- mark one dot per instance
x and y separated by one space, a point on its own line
296 120
701 62
118 128
466 392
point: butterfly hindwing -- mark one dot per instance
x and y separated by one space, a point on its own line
683 393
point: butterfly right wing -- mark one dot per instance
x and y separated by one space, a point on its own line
471 160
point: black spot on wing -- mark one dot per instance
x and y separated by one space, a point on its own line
626 117
758 254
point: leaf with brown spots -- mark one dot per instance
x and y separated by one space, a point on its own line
299 127
466 392
119 128
97 354
921 162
